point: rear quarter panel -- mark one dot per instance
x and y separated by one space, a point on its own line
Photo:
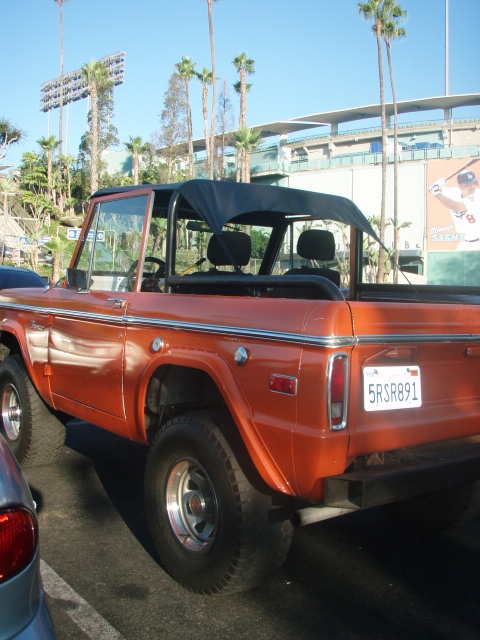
206 331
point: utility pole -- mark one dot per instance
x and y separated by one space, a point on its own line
446 49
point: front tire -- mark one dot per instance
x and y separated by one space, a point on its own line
214 532
33 433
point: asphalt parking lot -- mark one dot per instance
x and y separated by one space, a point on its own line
353 577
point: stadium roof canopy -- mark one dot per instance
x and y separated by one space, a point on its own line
355 114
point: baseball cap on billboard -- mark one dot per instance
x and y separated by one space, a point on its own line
466 177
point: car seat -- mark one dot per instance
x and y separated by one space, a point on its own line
316 245
232 248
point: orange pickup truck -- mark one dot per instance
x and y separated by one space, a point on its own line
228 328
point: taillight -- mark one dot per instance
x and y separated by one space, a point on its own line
337 391
18 541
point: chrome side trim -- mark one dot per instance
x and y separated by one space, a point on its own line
64 313
245 332
223 330
421 338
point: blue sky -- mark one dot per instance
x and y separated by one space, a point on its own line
310 56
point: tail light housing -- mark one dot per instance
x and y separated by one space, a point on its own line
18 541
337 390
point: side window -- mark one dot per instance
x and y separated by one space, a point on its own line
112 247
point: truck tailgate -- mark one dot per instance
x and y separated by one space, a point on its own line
415 375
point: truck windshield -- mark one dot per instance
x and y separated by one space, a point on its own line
113 243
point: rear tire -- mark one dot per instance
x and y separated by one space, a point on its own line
33 433
213 531
438 511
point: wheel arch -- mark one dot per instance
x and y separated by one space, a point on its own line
9 343
13 342
202 382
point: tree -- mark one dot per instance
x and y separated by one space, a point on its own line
7 188
49 145
97 77
60 117
107 132
259 243
206 77
224 124
396 243
173 122
240 160
186 68
374 11
391 30
59 247
136 147
246 142
244 66
214 87
33 190
63 182
8 135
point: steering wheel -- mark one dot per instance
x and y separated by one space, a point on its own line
150 279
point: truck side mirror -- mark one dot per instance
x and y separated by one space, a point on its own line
76 279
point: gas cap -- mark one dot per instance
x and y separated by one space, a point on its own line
241 356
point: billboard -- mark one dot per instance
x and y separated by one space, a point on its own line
453 206
453 222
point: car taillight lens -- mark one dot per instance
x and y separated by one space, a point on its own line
18 541
337 384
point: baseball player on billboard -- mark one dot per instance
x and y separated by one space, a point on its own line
464 204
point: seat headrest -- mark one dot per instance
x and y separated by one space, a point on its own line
239 245
316 244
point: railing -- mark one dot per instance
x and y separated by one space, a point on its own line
405 125
354 159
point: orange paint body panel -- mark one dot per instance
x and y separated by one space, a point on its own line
437 339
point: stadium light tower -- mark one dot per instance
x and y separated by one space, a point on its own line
74 86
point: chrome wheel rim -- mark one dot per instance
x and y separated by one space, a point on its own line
191 506
11 413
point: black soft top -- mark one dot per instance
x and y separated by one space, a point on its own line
217 202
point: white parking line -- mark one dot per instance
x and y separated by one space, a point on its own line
84 616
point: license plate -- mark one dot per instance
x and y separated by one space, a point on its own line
391 388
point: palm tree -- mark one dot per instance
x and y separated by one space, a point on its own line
97 77
392 31
49 145
186 68
59 247
60 117
136 147
373 11
206 77
240 159
244 66
246 142
214 87
64 173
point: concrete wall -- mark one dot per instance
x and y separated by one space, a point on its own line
363 185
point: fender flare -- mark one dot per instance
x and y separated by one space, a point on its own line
42 386
222 376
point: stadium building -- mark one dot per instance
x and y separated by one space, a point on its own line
340 152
